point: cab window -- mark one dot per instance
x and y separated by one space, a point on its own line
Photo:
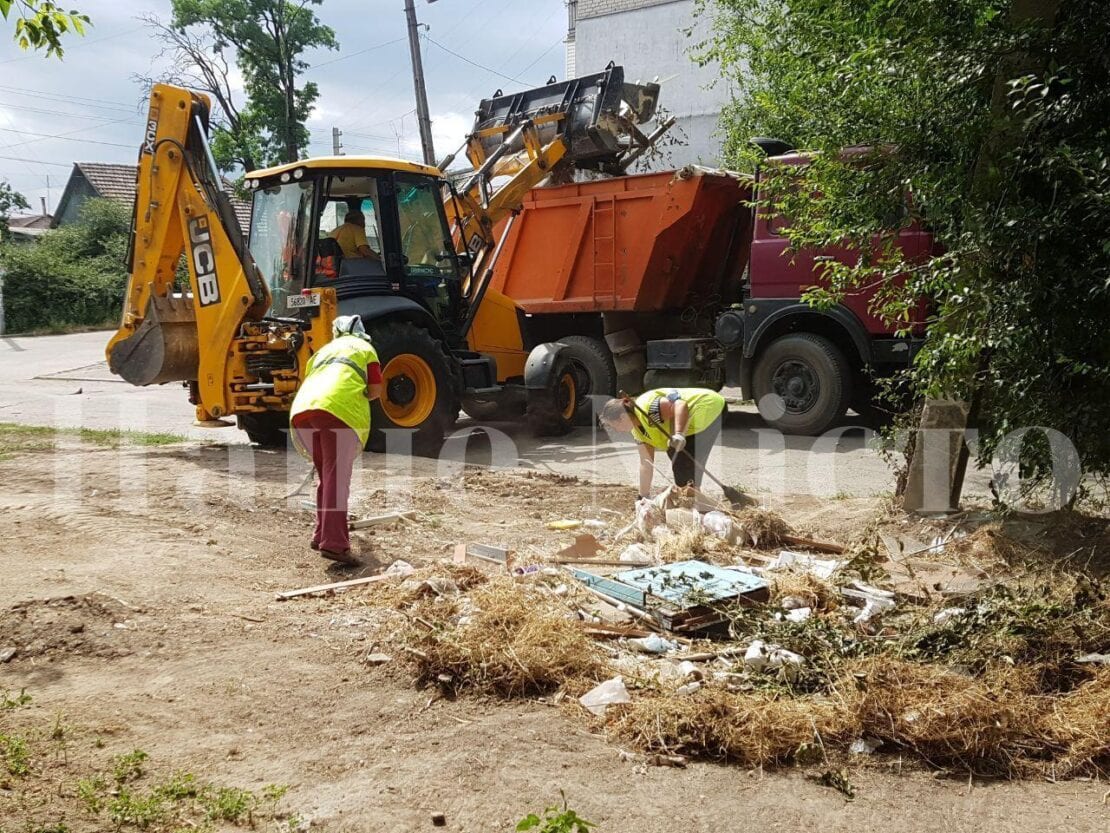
350 230
425 243
280 222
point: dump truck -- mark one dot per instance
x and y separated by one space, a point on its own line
240 331
674 278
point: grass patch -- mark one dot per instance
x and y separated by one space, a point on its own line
23 439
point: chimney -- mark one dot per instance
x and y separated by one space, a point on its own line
44 211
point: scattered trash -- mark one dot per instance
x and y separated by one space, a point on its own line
563 525
659 759
377 659
482 552
1086 659
760 655
822 568
7 654
688 669
799 614
689 688
683 519
653 644
875 600
399 569
948 614
636 554
864 746
389 517
721 526
609 693
793 603
585 546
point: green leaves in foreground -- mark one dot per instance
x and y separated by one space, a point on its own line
556 819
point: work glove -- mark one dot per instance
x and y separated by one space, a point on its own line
678 443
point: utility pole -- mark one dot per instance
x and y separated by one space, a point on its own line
336 145
422 117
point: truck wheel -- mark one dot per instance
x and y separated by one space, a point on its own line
418 386
497 409
267 429
810 381
595 373
551 411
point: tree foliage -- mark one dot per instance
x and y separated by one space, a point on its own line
41 24
989 119
268 39
10 200
74 275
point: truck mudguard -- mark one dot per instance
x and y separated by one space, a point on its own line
770 311
542 365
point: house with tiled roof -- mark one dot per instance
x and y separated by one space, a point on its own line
112 181
26 229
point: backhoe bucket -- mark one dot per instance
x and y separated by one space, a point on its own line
599 114
164 347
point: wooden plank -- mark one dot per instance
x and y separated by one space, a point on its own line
365 523
816 546
338 585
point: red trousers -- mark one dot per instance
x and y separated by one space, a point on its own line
334 447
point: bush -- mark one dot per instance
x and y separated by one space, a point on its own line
73 276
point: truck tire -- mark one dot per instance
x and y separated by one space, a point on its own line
811 381
267 429
419 389
595 373
496 409
551 411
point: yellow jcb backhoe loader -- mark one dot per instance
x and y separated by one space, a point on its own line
251 316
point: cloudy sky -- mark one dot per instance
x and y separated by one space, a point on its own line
88 106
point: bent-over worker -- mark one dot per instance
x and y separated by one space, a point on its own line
674 420
331 424
351 236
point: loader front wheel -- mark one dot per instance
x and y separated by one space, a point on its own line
419 390
267 429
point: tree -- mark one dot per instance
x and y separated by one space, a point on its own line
987 117
10 200
196 63
41 24
74 275
268 38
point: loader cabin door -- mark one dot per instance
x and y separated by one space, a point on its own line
281 235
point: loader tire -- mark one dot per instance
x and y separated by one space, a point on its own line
551 410
268 429
420 391
802 384
595 374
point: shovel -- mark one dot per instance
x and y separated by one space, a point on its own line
732 495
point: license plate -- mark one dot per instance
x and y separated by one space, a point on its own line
303 301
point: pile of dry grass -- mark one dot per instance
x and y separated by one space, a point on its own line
1078 724
402 594
988 726
815 593
748 729
989 548
514 641
762 528
684 544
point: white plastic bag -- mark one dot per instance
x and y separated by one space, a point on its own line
609 693
720 525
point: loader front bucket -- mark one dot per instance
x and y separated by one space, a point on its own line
596 115
163 348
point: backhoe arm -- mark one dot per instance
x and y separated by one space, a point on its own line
201 333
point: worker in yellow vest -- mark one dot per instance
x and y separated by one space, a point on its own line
331 424
674 420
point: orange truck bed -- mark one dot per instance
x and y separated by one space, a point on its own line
642 243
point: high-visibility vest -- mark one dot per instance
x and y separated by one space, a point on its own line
704 405
335 381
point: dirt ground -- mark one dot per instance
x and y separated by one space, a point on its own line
146 619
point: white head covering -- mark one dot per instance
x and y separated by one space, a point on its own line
349 325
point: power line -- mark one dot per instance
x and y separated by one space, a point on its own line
78 44
354 54
37 161
475 63
68 138
542 55
25 109
63 98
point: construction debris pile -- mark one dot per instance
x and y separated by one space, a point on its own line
699 631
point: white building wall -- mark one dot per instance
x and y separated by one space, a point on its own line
648 38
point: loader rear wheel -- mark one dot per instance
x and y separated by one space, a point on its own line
551 411
267 429
595 373
419 392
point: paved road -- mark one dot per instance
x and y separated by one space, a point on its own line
63 381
